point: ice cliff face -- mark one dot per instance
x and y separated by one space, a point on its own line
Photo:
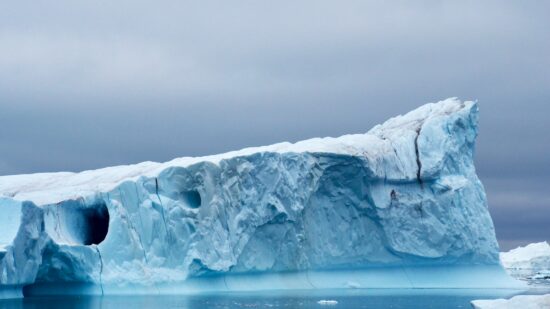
401 197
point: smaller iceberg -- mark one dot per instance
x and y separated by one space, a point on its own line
532 256
521 301
531 263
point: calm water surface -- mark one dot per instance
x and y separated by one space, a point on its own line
428 298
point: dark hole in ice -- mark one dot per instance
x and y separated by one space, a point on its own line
96 219
192 198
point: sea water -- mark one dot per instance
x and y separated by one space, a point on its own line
373 298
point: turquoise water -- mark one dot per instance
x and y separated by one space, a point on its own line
390 298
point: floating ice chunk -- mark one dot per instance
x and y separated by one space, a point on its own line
521 301
353 285
328 302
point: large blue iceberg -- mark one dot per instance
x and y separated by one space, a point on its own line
397 207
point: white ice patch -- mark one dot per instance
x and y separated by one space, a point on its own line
328 302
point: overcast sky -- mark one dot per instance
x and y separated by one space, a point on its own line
88 84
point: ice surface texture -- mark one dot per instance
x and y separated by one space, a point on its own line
394 207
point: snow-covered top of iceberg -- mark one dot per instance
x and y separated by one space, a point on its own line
526 257
47 188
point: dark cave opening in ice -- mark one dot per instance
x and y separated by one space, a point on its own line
96 224
192 198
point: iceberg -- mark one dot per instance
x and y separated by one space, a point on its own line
400 206
535 256
520 301
530 263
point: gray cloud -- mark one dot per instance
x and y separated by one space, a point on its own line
86 85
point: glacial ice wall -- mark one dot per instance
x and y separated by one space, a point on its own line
373 209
